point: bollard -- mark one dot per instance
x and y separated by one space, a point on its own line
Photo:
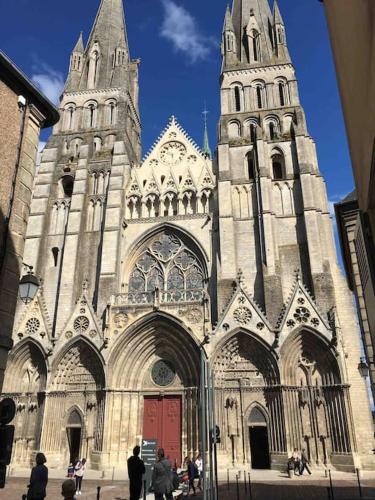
328 493
250 488
331 485
238 487
244 478
228 479
359 482
113 474
98 492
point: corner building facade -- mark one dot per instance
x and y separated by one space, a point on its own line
142 261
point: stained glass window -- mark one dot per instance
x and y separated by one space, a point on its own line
166 264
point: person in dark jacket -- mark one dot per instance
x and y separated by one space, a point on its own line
192 473
38 479
161 478
304 463
136 469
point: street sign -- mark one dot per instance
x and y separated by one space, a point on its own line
148 452
7 411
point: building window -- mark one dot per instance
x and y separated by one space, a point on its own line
259 97
169 266
272 131
278 167
237 98
282 94
250 165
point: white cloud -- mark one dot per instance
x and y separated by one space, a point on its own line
180 28
50 82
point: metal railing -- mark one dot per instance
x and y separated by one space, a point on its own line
157 296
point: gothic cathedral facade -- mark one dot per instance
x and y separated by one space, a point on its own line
147 262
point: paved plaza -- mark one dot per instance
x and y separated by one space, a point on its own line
266 485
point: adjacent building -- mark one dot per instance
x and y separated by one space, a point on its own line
352 30
24 111
150 265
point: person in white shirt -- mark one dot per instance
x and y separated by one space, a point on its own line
199 465
79 470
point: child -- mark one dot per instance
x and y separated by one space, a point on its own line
70 470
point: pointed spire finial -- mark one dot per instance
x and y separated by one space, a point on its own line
206 143
277 17
79 46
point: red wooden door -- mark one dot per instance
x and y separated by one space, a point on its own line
162 421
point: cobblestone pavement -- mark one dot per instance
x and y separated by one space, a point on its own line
266 485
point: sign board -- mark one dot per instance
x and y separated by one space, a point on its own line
148 452
7 411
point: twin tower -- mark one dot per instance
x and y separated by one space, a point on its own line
149 264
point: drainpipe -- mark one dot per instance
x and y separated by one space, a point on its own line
22 104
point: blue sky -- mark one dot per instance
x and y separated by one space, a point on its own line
178 42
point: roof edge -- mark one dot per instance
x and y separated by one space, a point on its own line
49 110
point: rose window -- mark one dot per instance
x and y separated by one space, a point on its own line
32 326
302 315
163 373
81 324
242 315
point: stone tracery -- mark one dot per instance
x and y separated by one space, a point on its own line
166 264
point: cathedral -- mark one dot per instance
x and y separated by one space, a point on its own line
150 264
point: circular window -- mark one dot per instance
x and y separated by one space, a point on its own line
32 325
163 373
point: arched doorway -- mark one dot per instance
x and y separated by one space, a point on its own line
74 430
25 382
75 404
317 398
258 436
156 375
247 376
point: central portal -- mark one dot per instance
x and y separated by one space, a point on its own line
162 421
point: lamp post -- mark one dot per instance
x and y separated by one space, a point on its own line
363 368
28 286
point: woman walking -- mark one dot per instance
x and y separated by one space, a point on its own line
38 479
79 471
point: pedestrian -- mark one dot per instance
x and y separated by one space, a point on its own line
136 469
304 463
162 478
296 460
38 479
193 473
79 471
68 489
199 464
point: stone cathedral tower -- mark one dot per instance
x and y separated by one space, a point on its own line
144 261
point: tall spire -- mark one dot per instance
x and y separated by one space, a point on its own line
206 150
108 43
249 17
79 47
277 17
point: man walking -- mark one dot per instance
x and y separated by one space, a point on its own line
161 478
136 469
304 463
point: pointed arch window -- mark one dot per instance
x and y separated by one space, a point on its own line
168 265
278 167
250 164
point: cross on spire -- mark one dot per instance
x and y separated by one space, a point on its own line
206 143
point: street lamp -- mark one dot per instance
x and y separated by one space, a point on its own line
363 368
28 286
